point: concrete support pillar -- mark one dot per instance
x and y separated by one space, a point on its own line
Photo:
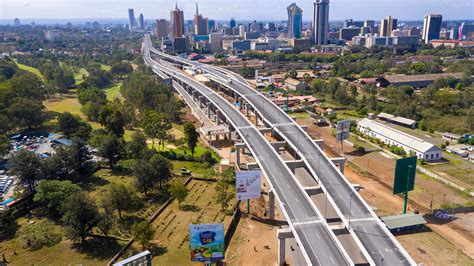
247 109
209 111
341 167
271 204
282 234
237 157
218 115
340 162
256 118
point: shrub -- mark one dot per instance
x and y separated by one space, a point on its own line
39 234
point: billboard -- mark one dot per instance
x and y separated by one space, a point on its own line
247 184
405 171
206 242
343 126
341 136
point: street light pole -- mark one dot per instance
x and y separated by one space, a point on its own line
350 207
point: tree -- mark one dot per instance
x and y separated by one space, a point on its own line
107 217
52 193
293 74
121 198
26 113
144 173
162 168
156 125
470 119
80 216
224 196
110 147
121 68
143 233
39 234
4 145
137 147
318 85
178 191
73 125
112 118
26 165
191 136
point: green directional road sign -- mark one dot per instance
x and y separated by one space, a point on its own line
405 170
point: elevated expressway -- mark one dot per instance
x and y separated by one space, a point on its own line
317 241
358 217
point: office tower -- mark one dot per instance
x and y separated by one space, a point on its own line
271 26
387 25
320 22
351 22
132 22
431 27
201 26
295 21
16 22
232 23
141 22
211 25
177 23
215 39
242 30
162 29
347 33
369 23
414 31
254 26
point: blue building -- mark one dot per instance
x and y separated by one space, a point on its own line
431 27
232 23
241 45
295 21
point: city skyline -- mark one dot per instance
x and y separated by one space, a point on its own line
243 10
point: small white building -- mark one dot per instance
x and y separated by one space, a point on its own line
390 136
450 136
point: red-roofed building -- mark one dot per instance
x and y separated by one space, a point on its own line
452 43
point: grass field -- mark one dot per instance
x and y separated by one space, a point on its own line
114 92
30 69
436 250
457 170
172 226
105 67
79 76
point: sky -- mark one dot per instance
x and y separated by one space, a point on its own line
240 9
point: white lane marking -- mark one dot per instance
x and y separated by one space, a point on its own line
287 185
331 259
297 200
318 236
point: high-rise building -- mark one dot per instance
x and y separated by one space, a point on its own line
347 33
211 25
141 22
132 22
320 22
215 40
431 27
271 26
201 25
351 22
177 23
387 25
242 30
369 23
162 28
232 23
295 21
16 22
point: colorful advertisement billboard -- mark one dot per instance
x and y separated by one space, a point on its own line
247 184
207 242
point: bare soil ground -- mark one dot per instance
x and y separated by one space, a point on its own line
374 172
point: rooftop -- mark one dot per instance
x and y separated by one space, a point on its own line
292 81
403 220
424 77
397 135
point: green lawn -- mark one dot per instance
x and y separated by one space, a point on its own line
114 92
30 69
171 246
105 67
79 76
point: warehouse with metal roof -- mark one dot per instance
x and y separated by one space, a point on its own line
404 223
390 136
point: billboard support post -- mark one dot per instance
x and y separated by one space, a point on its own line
410 170
248 206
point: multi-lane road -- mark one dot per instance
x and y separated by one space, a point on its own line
362 222
318 242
